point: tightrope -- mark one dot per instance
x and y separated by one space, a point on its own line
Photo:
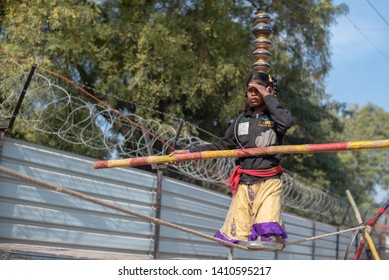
154 220
79 195
326 235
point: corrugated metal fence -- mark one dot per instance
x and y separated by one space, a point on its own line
36 223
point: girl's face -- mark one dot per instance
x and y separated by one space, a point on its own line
254 95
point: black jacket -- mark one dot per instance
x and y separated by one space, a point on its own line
251 130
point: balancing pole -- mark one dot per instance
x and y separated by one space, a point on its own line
270 150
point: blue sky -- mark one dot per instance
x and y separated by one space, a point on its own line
360 54
360 58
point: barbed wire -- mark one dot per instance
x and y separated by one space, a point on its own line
67 113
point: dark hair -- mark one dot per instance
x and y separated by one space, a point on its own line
263 79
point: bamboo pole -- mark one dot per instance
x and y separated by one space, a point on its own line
365 233
270 150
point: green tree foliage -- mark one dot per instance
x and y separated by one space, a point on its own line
189 58
363 169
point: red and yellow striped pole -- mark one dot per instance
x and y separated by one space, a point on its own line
271 150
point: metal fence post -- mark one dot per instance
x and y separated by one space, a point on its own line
3 126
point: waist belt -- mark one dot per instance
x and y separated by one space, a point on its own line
233 180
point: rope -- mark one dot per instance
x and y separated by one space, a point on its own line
154 220
325 235
79 195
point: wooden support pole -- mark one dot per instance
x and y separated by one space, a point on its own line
365 233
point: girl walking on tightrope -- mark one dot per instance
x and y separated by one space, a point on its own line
255 210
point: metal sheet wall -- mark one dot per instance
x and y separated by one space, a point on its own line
33 216
46 224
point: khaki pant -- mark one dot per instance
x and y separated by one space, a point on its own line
255 210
